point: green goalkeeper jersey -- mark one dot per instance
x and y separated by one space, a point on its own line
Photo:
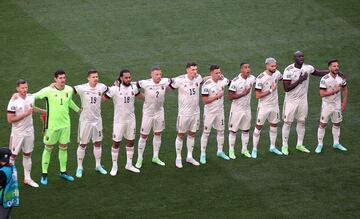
57 106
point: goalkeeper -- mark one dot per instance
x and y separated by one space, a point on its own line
57 123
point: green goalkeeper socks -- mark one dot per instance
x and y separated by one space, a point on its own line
46 159
63 159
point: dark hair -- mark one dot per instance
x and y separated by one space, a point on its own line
244 63
20 81
213 67
59 72
189 64
332 61
92 71
122 72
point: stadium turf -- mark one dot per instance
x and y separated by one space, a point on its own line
39 36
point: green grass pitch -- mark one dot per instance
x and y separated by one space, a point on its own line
39 36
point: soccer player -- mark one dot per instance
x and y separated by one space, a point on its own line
19 114
90 121
153 114
240 112
296 84
188 119
331 86
212 95
124 125
268 106
57 124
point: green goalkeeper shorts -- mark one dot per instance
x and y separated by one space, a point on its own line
54 136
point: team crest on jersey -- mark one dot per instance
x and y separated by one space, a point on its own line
206 127
162 87
67 94
46 138
231 125
197 85
99 93
132 93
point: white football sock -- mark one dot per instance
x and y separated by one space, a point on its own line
220 141
156 145
80 156
97 154
232 140
141 147
27 167
285 134
204 141
178 147
190 146
129 155
336 134
300 129
244 140
272 134
321 135
256 138
114 155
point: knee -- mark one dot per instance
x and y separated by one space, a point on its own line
144 137
181 135
116 144
322 125
157 134
63 146
27 154
192 134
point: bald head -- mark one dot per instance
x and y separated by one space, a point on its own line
298 58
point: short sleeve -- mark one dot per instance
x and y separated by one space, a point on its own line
110 92
225 82
11 107
141 83
136 90
199 79
252 80
259 84
343 82
205 91
232 86
323 83
311 69
78 89
175 82
104 88
279 76
287 75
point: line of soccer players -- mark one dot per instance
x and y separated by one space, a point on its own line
58 98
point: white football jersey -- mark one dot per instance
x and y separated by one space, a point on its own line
264 82
124 100
238 85
291 73
154 95
188 94
90 100
210 89
19 106
329 83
